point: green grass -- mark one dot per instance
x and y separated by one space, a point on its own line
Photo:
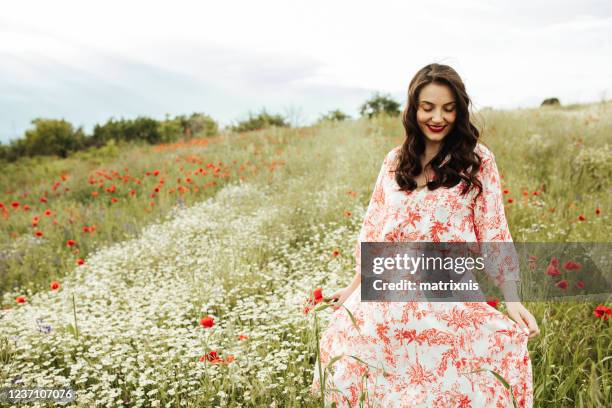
251 254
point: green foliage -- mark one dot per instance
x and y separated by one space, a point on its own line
52 137
378 104
262 120
334 116
200 124
171 129
139 129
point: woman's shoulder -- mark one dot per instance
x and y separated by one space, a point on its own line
393 153
484 152
390 160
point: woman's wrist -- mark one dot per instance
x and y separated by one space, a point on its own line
509 292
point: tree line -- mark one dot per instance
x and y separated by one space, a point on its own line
60 138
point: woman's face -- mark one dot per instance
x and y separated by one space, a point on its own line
436 111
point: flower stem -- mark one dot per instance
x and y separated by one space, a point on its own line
76 328
321 379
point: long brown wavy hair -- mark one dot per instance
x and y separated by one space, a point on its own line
464 163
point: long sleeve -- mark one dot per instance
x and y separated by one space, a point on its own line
374 217
491 226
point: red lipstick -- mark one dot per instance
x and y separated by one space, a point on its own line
436 129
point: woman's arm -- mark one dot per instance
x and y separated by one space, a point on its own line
370 229
491 228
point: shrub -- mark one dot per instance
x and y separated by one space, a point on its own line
378 104
52 137
139 129
551 102
260 121
200 124
334 116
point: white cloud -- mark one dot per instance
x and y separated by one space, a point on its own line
87 61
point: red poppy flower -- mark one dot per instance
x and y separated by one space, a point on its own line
243 337
317 295
506 191
20 299
554 261
212 355
80 261
579 285
47 212
510 200
114 199
571 265
552 270
562 284
26 207
207 322
493 302
336 253
55 285
581 217
15 204
43 199
38 233
602 312
156 172
70 243
597 211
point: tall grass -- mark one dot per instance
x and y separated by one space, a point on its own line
250 252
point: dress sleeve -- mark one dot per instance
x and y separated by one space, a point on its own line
374 217
491 226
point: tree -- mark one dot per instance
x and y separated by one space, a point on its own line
201 124
53 137
139 129
260 121
380 104
334 116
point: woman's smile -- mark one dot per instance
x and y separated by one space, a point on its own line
436 129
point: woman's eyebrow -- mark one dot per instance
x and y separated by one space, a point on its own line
431 103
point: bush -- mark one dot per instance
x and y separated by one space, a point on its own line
261 121
551 102
334 116
52 137
200 124
378 104
171 129
139 129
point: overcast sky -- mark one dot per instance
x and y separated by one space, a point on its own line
87 61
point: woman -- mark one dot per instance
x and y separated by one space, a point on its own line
441 185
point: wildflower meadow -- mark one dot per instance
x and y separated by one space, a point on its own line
194 273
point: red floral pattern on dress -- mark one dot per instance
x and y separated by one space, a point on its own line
429 354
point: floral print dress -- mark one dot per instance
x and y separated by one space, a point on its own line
434 354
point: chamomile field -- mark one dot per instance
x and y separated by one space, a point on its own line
176 275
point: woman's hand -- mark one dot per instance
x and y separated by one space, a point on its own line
523 318
341 295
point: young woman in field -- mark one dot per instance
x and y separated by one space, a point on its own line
440 185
